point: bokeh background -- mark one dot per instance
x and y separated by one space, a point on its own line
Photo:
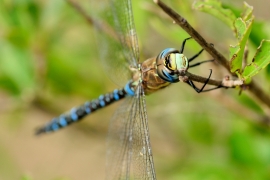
49 63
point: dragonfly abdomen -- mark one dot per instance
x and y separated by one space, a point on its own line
78 113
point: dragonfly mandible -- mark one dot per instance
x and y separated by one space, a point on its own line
129 153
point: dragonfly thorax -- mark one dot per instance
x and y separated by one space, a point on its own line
170 64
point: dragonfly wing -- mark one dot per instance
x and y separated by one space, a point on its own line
129 154
116 38
124 24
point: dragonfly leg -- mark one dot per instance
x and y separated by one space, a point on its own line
183 45
190 82
195 56
197 64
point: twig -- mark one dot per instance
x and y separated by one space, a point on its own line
226 82
252 87
76 6
194 34
259 93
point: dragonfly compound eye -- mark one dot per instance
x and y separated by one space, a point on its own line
165 65
170 62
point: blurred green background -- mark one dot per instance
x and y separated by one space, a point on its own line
49 63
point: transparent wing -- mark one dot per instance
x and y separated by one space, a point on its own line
129 154
124 25
116 38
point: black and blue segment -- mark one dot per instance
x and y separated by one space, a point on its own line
78 113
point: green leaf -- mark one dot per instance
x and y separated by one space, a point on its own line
243 29
214 7
243 26
259 62
247 13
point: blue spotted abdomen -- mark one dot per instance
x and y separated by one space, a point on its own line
78 113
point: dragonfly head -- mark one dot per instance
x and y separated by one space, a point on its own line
170 64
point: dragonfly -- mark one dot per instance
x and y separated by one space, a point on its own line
129 152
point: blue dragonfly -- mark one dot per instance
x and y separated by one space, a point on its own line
129 153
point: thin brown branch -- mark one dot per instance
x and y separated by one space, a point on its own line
182 22
226 82
259 93
81 11
201 79
252 87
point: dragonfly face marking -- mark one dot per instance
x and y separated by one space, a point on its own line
170 64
